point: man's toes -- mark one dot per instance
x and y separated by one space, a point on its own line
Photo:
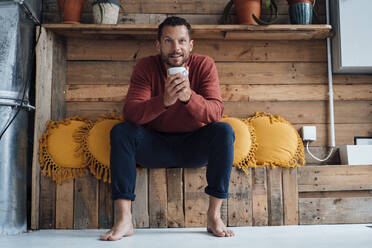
105 236
219 234
114 237
230 232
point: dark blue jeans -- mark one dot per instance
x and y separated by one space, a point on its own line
131 144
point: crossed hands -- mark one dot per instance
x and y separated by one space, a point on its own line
176 88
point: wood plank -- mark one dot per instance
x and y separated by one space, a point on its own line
335 210
93 109
259 197
336 194
43 79
176 216
158 198
119 72
65 205
64 193
219 50
47 211
290 196
175 7
240 198
86 202
305 112
102 92
334 178
196 201
140 207
105 206
274 195
99 72
300 112
345 133
234 93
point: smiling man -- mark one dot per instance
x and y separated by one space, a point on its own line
172 121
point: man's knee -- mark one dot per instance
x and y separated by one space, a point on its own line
225 130
124 129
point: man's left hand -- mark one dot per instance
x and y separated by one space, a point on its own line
184 94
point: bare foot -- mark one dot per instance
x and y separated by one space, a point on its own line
216 226
122 228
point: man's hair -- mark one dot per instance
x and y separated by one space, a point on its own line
173 21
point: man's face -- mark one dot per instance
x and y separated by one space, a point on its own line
175 45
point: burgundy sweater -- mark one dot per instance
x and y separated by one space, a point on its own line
144 102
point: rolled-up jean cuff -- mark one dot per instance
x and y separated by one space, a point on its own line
216 194
131 197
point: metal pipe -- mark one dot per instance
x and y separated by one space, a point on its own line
330 83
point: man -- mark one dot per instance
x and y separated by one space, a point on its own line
172 121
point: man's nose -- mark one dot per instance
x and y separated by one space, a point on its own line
176 46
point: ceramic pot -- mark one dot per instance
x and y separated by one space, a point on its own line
300 11
106 13
245 9
72 10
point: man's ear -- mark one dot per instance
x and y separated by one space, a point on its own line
191 45
157 43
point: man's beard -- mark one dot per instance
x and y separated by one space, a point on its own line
166 59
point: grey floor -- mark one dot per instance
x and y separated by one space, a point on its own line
309 236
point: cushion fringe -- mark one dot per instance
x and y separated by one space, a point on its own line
48 166
99 170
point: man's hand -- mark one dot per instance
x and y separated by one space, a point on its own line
176 87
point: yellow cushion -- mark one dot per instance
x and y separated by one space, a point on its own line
279 144
57 155
244 145
95 145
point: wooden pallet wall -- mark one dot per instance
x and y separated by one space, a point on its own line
155 11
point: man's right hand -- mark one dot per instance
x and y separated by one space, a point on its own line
173 84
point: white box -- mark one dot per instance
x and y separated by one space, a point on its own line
309 133
356 154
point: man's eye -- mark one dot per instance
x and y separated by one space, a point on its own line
167 40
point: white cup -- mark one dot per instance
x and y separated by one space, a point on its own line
175 70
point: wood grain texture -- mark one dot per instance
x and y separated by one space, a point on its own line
105 206
176 216
65 205
334 178
140 207
158 198
240 198
43 79
335 210
274 196
179 7
299 112
196 201
290 196
219 50
47 204
119 72
259 197
86 202
234 93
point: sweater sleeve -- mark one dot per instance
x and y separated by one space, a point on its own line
205 103
140 107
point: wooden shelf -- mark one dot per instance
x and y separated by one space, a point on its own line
226 32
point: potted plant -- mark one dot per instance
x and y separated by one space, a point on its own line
249 11
70 11
301 11
105 11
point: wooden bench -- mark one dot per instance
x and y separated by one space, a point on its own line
85 69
